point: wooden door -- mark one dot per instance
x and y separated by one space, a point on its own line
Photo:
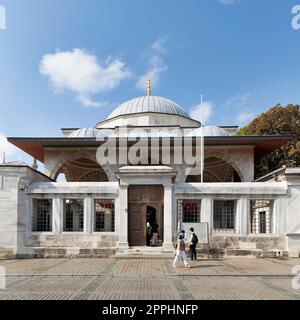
139 197
137 224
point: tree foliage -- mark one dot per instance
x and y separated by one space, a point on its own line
277 121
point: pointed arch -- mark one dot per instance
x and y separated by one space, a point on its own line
216 170
80 167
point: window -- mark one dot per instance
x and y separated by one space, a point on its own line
188 211
104 215
73 215
224 216
42 215
261 217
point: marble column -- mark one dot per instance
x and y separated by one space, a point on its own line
123 217
57 218
242 216
207 213
168 218
88 215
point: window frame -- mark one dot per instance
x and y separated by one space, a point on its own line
31 215
180 216
226 231
93 216
62 203
270 226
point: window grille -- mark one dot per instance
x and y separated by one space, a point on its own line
81 221
188 211
73 215
69 221
261 216
104 215
42 215
224 216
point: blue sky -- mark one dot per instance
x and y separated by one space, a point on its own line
242 55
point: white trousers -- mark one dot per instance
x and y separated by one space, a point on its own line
180 255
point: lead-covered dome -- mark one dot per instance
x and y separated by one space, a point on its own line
148 104
86 133
209 131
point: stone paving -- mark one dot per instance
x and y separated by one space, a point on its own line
148 279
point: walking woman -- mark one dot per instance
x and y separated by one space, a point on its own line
180 252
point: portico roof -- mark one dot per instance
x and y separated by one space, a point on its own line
35 147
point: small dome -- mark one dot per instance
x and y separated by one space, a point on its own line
148 104
86 133
209 131
137 133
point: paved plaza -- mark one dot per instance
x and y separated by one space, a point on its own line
148 279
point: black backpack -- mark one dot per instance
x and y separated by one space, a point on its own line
195 239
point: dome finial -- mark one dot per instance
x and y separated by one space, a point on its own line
149 87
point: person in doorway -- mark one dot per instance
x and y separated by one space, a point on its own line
193 243
148 233
180 252
155 228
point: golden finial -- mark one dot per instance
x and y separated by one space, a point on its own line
149 88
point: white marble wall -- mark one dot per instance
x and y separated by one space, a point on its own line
18 185
14 204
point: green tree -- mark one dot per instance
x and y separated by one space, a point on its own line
277 121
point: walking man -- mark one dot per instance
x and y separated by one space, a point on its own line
193 244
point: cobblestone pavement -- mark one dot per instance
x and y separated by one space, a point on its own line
137 278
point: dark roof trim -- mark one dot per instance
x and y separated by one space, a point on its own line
28 167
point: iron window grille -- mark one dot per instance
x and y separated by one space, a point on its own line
73 215
261 217
224 216
188 211
104 215
42 215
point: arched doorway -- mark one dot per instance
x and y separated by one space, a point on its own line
216 170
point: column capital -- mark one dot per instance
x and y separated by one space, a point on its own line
123 185
168 185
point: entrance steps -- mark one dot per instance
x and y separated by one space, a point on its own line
64 252
144 252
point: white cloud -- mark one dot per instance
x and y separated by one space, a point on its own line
81 72
239 105
159 44
207 110
87 102
156 64
239 101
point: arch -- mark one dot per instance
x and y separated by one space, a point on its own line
216 170
227 157
66 158
92 176
82 169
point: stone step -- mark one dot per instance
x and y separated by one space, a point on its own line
143 252
66 252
